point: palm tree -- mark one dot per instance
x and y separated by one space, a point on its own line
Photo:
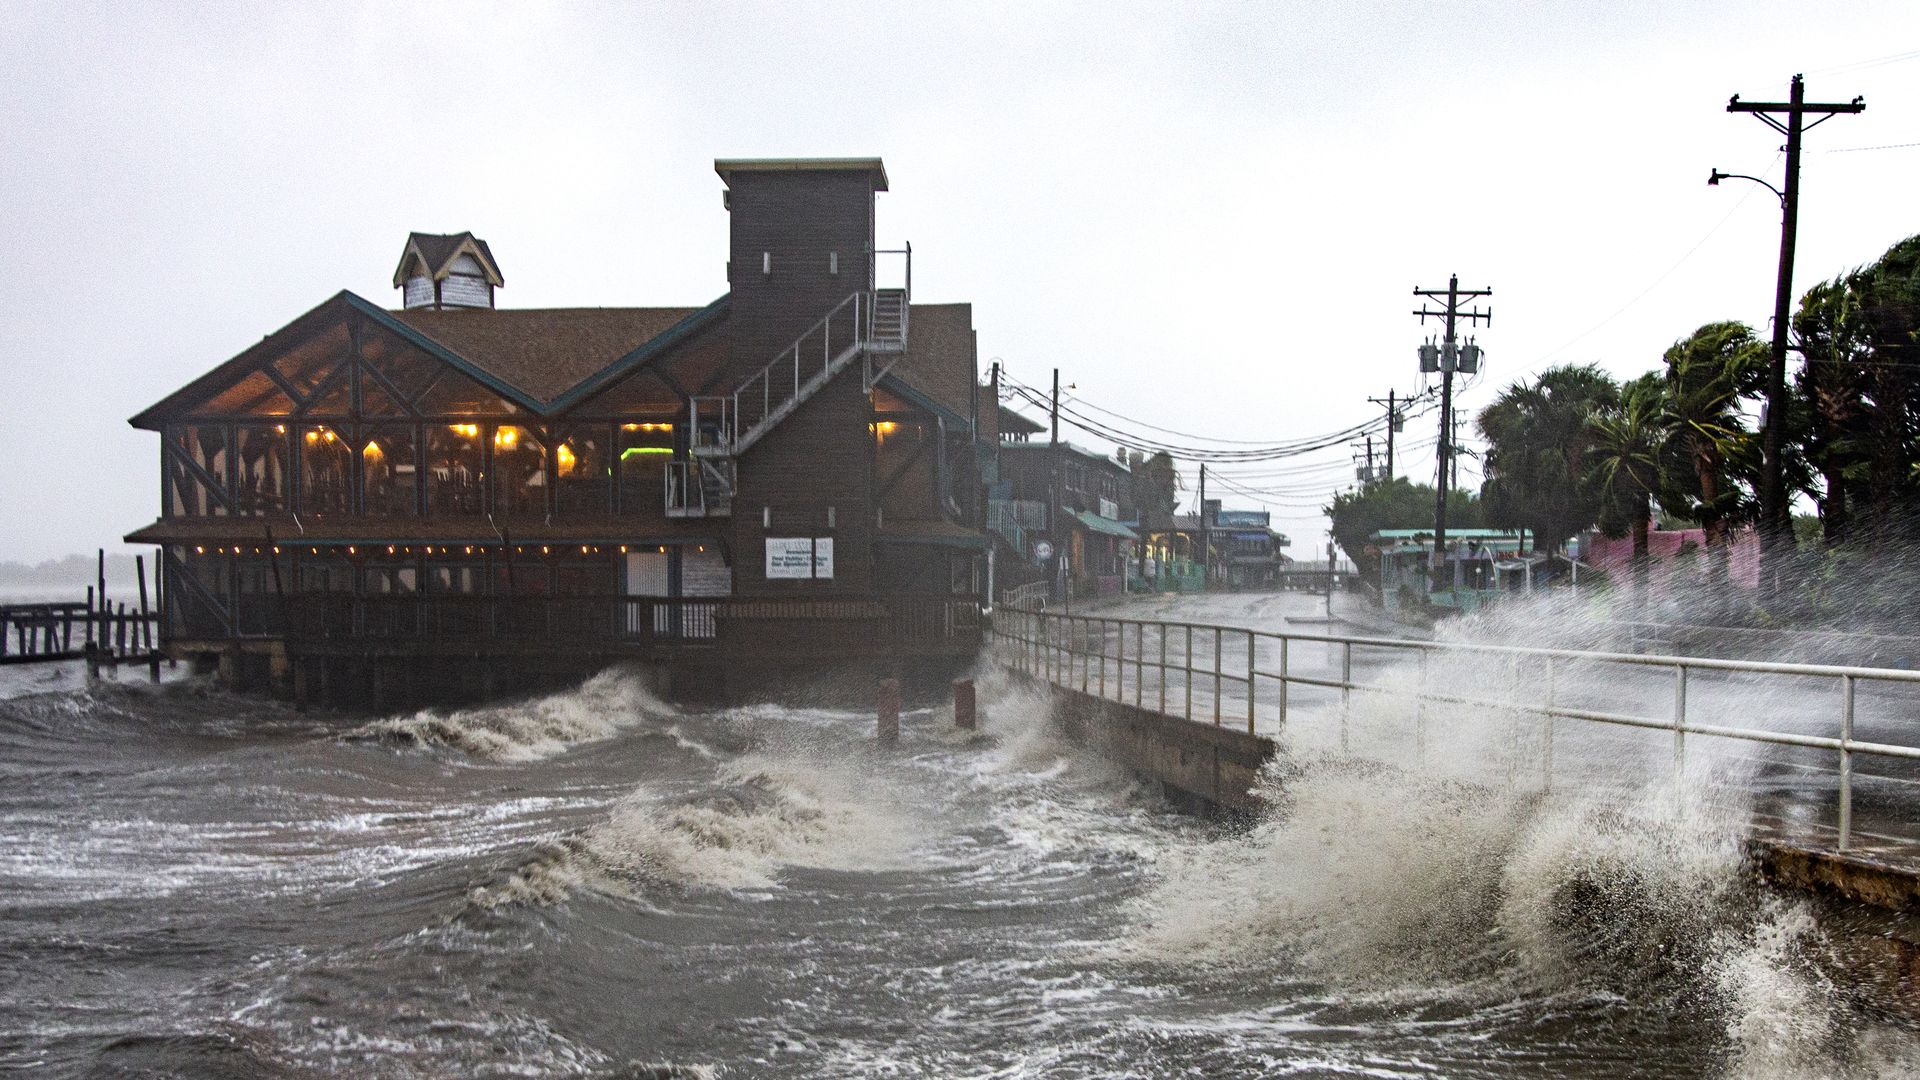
1625 456
1536 462
1709 458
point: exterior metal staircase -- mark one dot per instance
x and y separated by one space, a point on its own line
700 487
869 326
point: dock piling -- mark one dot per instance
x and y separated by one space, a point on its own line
888 712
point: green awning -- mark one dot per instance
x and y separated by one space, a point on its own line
1105 525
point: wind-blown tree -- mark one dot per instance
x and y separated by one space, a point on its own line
1394 503
1539 437
1833 382
1624 453
1710 461
1156 492
1888 294
1156 489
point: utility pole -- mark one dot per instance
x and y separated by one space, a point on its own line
1393 425
1206 531
1776 524
1053 440
1446 358
1371 475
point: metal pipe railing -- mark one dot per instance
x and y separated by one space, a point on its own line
1054 642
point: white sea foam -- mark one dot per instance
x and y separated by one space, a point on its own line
532 729
762 814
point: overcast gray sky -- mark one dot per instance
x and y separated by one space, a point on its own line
1210 216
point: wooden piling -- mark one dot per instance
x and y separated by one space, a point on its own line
888 710
964 715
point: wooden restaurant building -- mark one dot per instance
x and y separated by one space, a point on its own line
454 499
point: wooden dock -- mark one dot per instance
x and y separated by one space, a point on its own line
94 630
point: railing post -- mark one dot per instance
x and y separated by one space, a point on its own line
1216 675
1281 711
1103 657
1250 681
1346 689
1139 663
1120 663
1420 712
1546 730
1846 762
1086 660
1679 730
1163 668
1187 680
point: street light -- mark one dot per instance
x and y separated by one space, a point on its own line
1715 176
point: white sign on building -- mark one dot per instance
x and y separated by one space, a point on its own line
800 557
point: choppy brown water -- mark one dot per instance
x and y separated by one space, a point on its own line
193 884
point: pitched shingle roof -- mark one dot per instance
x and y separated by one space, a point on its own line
543 351
939 361
439 249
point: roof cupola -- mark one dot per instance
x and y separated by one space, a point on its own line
452 270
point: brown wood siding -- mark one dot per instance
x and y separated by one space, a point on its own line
798 218
819 456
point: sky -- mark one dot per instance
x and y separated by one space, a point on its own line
1210 217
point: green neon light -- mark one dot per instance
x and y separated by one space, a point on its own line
632 450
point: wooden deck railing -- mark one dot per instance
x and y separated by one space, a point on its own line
891 623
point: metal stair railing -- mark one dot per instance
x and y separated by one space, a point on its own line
728 424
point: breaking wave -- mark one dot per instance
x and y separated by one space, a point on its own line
762 815
529 730
1390 883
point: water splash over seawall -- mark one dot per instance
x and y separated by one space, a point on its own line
1409 889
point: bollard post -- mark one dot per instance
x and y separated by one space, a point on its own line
887 710
964 716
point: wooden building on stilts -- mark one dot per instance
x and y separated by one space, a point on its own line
454 500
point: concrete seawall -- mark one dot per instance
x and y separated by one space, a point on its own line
1201 768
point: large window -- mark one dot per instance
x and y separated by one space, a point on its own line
390 471
260 483
326 471
520 467
456 470
584 467
196 463
645 450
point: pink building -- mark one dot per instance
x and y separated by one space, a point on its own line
1663 549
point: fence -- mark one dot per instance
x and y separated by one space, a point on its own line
1219 674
